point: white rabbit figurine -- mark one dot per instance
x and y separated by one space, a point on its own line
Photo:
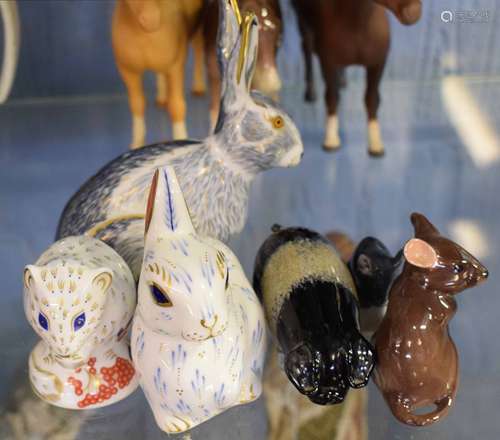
199 335
252 135
80 299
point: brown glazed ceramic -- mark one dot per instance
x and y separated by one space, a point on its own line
343 243
417 359
266 78
344 33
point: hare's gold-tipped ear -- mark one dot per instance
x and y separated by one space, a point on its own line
420 253
238 64
228 31
247 57
236 10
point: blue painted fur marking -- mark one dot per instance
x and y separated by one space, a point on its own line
171 223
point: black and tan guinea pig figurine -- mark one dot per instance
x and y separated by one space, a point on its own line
373 270
312 309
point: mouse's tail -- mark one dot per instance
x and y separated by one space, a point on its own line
407 416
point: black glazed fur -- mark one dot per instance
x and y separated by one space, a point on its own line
373 270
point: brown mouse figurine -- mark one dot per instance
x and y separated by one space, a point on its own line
417 359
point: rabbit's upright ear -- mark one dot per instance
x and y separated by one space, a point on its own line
166 211
237 77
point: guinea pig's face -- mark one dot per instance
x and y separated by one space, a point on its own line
325 375
322 377
64 305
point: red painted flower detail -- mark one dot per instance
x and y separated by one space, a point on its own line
116 377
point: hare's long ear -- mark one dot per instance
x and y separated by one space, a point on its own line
422 226
237 77
228 31
166 211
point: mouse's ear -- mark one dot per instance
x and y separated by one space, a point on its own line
364 265
420 253
422 226
28 276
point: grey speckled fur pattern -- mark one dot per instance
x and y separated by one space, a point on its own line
214 174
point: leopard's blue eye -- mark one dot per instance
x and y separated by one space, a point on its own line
79 322
159 296
43 321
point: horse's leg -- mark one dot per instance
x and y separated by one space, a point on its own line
161 90
331 76
372 102
137 104
307 48
199 87
176 103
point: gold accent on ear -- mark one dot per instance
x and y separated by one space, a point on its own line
103 281
28 278
245 35
236 10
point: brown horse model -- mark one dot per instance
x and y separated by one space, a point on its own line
154 35
344 33
266 78
417 359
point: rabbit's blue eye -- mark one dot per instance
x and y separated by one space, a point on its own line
43 321
79 322
159 296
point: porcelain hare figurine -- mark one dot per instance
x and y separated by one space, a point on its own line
252 135
199 335
154 35
79 297
417 359
312 310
